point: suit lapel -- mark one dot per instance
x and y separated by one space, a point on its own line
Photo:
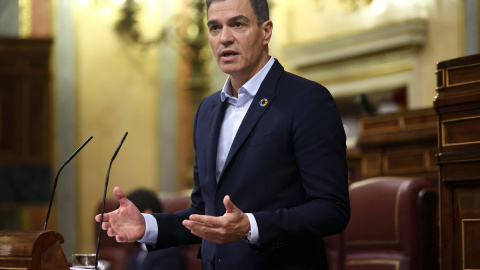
266 92
218 109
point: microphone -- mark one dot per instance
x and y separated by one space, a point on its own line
56 179
104 196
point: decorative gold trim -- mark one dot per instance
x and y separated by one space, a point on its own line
397 205
458 67
463 241
396 263
456 120
12 268
25 18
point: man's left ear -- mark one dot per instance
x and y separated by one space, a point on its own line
267 28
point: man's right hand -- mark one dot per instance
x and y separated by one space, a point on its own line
126 223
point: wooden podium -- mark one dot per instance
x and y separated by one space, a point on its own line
32 250
458 107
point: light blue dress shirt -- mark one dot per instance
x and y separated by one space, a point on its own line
234 114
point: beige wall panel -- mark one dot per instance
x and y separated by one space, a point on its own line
297 23
117 92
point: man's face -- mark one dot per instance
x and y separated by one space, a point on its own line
236 39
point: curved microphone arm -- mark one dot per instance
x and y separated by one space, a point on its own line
56 179
104 196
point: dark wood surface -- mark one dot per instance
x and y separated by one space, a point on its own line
458 107
32 250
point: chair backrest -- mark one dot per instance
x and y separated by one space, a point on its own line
385 231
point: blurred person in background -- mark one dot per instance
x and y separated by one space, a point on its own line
164 259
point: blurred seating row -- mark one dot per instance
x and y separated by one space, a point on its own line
393 226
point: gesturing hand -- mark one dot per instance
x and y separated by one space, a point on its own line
126 223
229 228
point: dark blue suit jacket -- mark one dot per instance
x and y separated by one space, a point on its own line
286 165
163 259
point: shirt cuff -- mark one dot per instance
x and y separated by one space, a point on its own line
151 230
253 228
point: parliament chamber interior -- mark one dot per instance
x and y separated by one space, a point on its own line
405 76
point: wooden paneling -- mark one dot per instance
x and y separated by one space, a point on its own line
25 131
25 101
399 144
458 107
469 245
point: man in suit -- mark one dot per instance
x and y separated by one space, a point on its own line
270 178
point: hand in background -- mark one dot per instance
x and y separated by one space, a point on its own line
126 223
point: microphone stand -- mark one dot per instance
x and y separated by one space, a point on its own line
56 179
104 196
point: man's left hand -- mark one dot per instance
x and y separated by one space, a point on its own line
229 228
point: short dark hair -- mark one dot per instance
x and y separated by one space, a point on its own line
145 199
260 8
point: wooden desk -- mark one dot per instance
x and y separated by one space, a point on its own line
32 250
458 107
402 144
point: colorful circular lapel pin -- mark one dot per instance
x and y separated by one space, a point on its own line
263 102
